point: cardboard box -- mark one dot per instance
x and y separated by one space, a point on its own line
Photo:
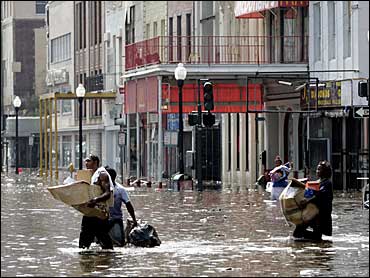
84 175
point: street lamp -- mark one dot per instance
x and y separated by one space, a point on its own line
180 75
80 92
17 103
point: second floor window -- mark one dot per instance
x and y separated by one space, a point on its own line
332 27
40 7
317 32
347 35
61 48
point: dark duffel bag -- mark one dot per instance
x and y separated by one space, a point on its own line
143 235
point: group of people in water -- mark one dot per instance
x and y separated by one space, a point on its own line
110 231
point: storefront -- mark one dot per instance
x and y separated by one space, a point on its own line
336 133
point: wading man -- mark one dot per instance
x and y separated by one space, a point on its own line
92 227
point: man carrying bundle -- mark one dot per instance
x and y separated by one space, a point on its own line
92 227
323 199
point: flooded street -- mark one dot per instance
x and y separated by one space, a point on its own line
214 233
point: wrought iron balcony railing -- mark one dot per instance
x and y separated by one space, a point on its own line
217 50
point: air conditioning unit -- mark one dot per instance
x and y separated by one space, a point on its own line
119 34
50 78
107 37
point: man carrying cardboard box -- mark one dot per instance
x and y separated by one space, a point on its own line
92 227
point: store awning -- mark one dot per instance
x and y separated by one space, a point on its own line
255 9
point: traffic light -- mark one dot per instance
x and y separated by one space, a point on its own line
363 89
209 119
193 119
208 96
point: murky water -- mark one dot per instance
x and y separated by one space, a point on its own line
228 233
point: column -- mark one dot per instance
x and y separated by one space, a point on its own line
225 148
243 125
344 151
148 154
295 117
138 146
252 147
128 147
234 178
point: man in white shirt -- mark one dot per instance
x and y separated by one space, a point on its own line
92 227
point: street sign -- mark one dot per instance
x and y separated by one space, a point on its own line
30 140
121 138
361 112
170 138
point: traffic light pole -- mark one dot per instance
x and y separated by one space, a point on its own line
198 145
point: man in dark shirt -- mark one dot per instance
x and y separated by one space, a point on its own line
322 223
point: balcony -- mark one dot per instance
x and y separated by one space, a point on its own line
95 83
103 82
210 50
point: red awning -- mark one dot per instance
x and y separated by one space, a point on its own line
254 9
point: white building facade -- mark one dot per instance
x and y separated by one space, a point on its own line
339 58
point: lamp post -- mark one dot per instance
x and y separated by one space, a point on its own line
17 103
80 92
180 75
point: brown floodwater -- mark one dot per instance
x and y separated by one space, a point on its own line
230 232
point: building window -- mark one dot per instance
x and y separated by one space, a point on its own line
170 35
179 47
163 27
95 28
347 36
66 150
95 108
317 31
188 35
148 31
3 9
155 29
100 22
40 7
80 26
66 106
77 148
130 26
83 29
207 9
332 27
61 48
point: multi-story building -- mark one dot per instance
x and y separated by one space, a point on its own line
115 13
216 43
78 52
23 60
339 58
256 55
60 74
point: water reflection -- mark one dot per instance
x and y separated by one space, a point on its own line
219 233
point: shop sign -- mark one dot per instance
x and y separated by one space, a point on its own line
327 96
